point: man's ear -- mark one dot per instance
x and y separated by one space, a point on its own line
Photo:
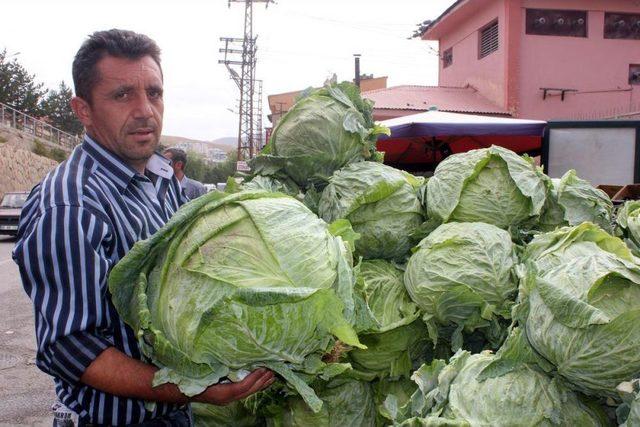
82 110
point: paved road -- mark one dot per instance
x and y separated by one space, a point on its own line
26 393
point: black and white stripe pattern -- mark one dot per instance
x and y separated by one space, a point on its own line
84 217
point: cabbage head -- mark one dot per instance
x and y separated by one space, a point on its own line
235 282
380 202
324 131
628 221
347 402
463 275
580 307
234 414
572 201
453 395
492 185
552 249
399 339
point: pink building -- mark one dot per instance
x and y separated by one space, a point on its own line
544 59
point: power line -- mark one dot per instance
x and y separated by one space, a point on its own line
250 105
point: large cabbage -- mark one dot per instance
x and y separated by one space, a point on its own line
581 307
492 185
453 395
347 402
380 202
234 282
324 131
628 221
463 274
399 337
572 201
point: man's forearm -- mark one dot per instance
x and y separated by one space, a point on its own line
116 373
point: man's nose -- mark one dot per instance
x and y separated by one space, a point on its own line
143 108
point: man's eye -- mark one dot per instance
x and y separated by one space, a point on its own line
155 93
121 95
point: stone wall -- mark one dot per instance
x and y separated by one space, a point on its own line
20 169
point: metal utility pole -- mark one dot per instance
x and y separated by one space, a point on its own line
250 120
357 67
257 103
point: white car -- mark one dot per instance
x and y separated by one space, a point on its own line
10 209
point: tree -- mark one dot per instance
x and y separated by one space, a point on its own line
202 170
18 88
56 106
222 170
196 166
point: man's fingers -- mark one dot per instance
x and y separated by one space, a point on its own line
257 380
261 383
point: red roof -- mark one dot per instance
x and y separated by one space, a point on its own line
452 99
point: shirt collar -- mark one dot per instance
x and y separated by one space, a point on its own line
117 170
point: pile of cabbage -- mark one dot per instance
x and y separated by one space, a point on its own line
487 294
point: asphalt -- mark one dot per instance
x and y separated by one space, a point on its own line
26 393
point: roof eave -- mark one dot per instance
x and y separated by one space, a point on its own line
432 32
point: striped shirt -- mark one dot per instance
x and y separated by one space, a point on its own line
77 223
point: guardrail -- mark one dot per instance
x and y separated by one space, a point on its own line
18 120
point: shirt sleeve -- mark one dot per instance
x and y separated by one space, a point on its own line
64 271
201 189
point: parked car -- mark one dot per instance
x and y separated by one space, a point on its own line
10 208
209 187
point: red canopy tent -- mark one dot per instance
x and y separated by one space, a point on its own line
421 140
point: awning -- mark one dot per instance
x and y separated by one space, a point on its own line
439 123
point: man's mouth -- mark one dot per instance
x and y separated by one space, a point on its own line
142 133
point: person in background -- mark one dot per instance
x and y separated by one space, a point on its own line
86 214
192 188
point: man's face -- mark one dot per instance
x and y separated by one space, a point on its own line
125 113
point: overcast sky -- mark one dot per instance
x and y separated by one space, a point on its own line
300 44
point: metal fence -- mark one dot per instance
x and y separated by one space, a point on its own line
18 120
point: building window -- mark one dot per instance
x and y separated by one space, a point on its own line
550 22
634 74
447 57
621 26
488 40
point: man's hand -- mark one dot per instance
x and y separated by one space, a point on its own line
116 373
223 394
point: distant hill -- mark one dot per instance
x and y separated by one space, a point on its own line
227 144
231 141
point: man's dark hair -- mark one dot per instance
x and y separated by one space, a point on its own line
177 155
117 43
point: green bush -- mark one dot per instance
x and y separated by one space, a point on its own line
202 170
39 148
57 154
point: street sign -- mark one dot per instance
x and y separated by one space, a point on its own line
242 166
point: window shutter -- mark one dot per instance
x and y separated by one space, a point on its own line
489 40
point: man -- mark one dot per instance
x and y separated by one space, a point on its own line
192 188
82 218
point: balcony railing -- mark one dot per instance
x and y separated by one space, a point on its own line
18 120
